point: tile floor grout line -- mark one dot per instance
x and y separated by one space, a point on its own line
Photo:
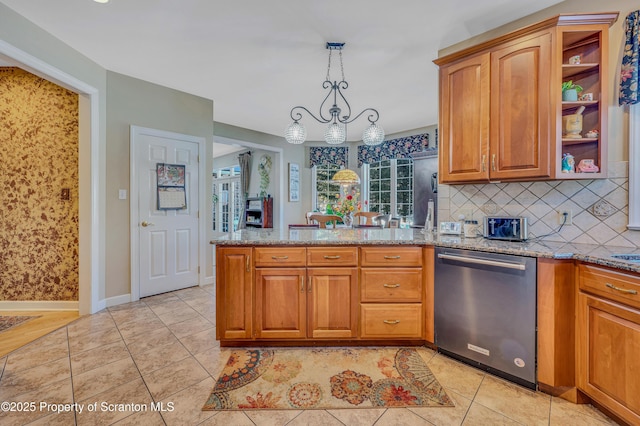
73 394
144 382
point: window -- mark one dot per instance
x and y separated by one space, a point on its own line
389 188
227 201
324 191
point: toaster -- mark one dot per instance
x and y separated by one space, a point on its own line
511 228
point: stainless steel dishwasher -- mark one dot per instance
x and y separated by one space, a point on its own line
485 311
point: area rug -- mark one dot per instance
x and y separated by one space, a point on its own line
10 321
325 378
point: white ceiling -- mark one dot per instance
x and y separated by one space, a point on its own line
257 59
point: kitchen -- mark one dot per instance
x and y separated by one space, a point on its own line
457 200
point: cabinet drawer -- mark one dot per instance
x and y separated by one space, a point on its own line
396 285
280 256
332 256
618 286
391 256
398 320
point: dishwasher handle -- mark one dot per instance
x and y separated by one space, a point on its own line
479 261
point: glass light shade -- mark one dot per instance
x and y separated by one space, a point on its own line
346 177
373 135
295 133
335 134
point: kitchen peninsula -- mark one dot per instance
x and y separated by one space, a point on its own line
375 286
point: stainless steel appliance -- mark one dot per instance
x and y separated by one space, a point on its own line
425 186
485 311
506 228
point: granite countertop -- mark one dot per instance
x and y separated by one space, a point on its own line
597 254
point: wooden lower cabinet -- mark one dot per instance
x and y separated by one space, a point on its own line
234 290
341 294
391 320
608 340
298 303
332 300
392 293
281 303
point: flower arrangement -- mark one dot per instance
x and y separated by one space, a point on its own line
347 202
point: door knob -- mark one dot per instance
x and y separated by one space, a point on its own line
145 224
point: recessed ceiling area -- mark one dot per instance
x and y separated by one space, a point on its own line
257 59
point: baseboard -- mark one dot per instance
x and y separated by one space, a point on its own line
38 305
117 300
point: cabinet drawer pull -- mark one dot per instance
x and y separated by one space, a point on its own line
484 163
391 285
392 322
301 284
493 162
279 257
248 262
392 257
332 257
309 285
621 290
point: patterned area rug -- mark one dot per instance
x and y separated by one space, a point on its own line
325 378
10 321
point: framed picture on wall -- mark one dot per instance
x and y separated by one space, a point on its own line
294 182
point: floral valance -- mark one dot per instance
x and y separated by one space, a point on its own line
325 155
394 148
630 61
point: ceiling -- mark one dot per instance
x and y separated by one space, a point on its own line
257 59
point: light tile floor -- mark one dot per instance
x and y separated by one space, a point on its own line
162 350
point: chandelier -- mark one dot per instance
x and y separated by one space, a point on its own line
336 132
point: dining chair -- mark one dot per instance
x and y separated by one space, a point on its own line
307 217
382 220
322 219
367 215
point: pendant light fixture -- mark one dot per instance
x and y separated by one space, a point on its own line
336 132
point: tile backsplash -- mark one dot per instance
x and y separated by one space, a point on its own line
599 206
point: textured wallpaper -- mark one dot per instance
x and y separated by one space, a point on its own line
38 160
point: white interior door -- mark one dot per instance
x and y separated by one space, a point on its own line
168 238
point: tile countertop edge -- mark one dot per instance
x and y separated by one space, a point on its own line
595 254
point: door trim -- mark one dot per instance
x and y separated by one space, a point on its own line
135 131
91 226
281 182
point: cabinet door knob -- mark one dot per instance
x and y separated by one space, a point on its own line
621 290
392 322
391 285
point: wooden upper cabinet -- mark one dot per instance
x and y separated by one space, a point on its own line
520 110
464 120
501 108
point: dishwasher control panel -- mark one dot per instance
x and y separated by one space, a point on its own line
506 228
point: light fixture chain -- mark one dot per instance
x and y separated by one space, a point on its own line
341 65
329 68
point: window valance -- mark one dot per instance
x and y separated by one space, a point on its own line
393 148
630 61
325 155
